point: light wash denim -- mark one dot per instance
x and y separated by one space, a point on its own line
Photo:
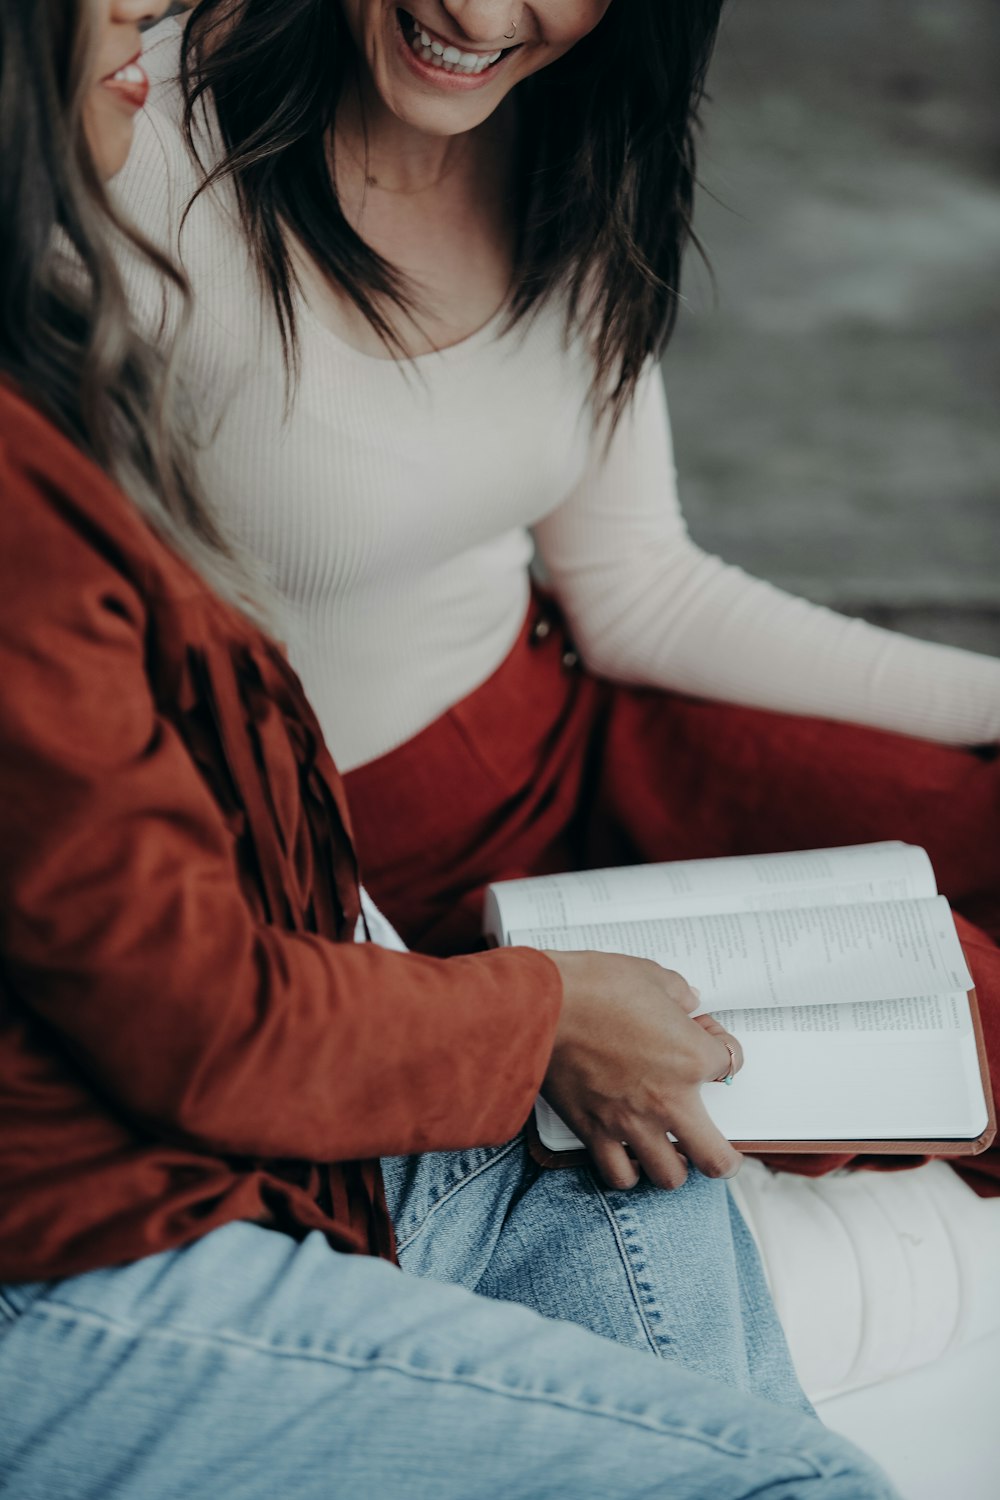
252 1367
673 1273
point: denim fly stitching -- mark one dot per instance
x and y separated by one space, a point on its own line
500 1154
623 1234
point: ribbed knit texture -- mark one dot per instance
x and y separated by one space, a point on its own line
395 504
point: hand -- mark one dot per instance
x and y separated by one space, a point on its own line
627 1066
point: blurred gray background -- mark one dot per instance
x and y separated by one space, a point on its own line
835 403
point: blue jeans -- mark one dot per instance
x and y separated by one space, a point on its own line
250 1366
676 1274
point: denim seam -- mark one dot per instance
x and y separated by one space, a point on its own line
8 1312
497 1156
622 1236
239 1343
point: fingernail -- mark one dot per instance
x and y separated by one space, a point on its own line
695 991
735 1171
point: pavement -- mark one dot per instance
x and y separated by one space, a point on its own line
835 399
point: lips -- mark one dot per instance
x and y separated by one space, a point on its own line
443 64
439 51
129 83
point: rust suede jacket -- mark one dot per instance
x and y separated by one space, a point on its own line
189 1033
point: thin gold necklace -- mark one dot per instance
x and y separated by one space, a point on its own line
371 181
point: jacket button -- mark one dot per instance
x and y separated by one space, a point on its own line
541 629
570 660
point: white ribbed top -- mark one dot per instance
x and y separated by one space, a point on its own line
395 508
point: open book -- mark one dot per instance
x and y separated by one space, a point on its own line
840 971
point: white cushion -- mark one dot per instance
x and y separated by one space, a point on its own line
874 1273
935 1430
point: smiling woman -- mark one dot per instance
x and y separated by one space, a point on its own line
428 304
583 189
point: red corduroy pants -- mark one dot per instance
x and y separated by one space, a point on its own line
545 768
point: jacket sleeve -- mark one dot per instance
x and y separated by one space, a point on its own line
125 930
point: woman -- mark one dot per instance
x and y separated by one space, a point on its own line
432 271
198 1064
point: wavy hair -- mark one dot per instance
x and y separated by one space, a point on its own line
66 339
605 179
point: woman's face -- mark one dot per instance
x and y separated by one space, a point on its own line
443 66
118 84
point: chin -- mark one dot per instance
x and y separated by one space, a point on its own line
441 117
112 158
110 139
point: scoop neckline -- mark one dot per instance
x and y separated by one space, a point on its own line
451 353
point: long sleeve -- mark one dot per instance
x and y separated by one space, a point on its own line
125 927
648 606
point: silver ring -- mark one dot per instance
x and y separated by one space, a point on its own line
512 33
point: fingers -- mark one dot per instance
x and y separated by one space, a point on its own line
690 998
703 1142
658 1157
652 1154
626 1035
698 1139
616 1167
727 1060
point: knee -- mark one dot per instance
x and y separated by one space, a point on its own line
842 1472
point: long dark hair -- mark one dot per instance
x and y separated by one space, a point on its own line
605 178
66 340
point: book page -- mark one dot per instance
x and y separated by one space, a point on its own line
820 877
910 1080
939 1013
816 956
915 1078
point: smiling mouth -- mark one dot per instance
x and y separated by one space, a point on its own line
129 83
438 52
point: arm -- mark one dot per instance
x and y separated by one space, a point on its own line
646 605
126 932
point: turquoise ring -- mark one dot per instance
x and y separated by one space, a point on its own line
730 1073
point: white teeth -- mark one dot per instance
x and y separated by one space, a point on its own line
130 74
451 59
